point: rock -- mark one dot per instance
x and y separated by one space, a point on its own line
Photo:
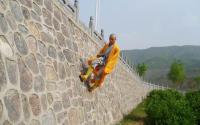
61 116
1 109
66 100
25 76
61 39
40 58
16 10
68 70
57 13
35 104
26 13
3 23
52 52
61 56
32 63
42 48
35 16
56 24
55 65
25 106
39 85
61 71
73 114
39 2
69 55
49 5
68 83
62 85
11 20
57 106
42 70
69 44
2 75
44 102
47 17
75 47
23 29
6 122
35 122
51 74
46 37
5 47
21 123
50 98
49 118
12 71
51 86
64 30
3 5
20 43
34 30
32 43
12 104
27 3
37 9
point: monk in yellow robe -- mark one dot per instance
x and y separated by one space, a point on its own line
103 63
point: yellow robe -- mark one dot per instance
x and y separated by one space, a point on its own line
112 58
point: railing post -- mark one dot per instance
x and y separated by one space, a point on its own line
64 1
102 34
76 5
91 26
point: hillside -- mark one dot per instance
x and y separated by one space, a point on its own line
159 60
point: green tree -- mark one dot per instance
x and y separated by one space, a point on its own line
197 81
141 69
177 72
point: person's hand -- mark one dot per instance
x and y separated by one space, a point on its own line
98 55
104 73
101 85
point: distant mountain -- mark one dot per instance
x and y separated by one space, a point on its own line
159 60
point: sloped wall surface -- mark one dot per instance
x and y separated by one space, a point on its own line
41 44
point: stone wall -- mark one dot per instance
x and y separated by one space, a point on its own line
41 45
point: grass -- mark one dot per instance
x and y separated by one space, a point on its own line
136 117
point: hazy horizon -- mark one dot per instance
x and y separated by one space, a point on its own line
141 24
162 47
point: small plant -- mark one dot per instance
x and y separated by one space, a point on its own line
141 69
177 72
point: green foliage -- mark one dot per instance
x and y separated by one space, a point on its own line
177 72
194 101
197 81
141 69
168 108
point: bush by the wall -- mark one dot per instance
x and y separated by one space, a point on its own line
194 101
168 107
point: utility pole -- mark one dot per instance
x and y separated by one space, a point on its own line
97 14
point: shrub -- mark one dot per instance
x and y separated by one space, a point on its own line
168 107
194 101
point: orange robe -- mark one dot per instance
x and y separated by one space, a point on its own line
111 60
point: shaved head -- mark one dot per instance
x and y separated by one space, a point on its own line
112 39
113 36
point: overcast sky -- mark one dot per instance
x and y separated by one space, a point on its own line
147 23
